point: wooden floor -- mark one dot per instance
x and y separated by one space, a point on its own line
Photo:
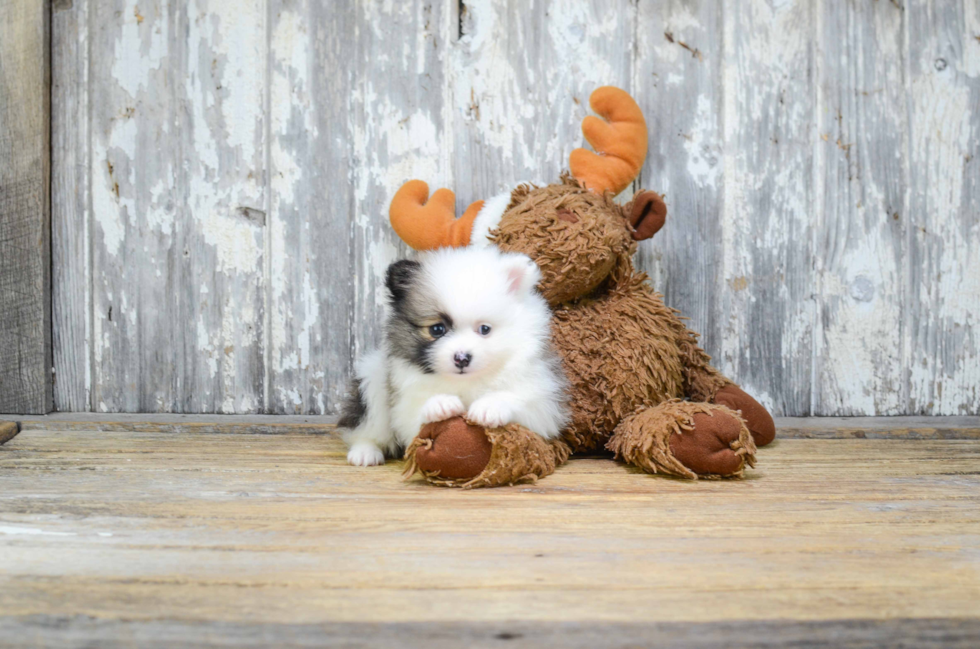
126 538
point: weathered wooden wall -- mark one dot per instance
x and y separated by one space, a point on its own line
222 171
25 213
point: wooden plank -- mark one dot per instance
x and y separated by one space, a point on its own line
859 211
878 427
177 190
678 81
276 534
787 427
25 216
932 633
522 74
401 128
171 423
311 167
134 173
220 227
71 216
767 225
943 261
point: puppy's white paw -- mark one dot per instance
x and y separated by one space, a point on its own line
490 412
441 407
365 454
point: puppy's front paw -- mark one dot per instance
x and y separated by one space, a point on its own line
490 412
365 454
441 407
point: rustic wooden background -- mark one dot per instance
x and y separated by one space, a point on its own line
221 171
25 245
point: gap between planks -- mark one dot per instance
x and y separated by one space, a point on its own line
965 427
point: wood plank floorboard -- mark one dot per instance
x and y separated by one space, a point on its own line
960 427
123 538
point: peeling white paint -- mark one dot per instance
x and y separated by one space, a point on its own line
704 160
943 349
237 244
140 48
766 213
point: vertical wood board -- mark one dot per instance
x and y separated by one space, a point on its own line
71 280
767 217
310 206
176 165
25 216
943 292
678 77
860 217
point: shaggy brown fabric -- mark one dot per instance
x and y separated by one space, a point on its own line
575 254
518 455
620 352
701 380
622 347
685 439
756 417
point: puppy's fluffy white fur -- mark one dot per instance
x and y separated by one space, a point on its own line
467 334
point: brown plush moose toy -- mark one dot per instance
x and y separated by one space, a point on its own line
640 386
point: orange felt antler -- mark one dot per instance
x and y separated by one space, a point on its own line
620 142
427 223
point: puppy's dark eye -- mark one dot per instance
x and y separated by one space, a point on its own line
484 330
437 330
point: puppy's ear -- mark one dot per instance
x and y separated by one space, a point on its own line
522 274
400 277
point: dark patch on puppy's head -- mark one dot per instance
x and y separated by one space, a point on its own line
413 311
400 277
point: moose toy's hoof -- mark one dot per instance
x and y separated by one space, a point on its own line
757 418
711 448
452 449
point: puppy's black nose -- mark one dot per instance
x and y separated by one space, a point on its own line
462 359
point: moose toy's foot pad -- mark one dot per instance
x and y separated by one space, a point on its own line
686 439
756 417
711 446
453 449
457 453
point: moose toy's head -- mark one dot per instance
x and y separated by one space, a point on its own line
573 230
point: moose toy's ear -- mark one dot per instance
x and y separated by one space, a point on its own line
647 214
522 273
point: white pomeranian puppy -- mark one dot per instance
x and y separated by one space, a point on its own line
467 334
